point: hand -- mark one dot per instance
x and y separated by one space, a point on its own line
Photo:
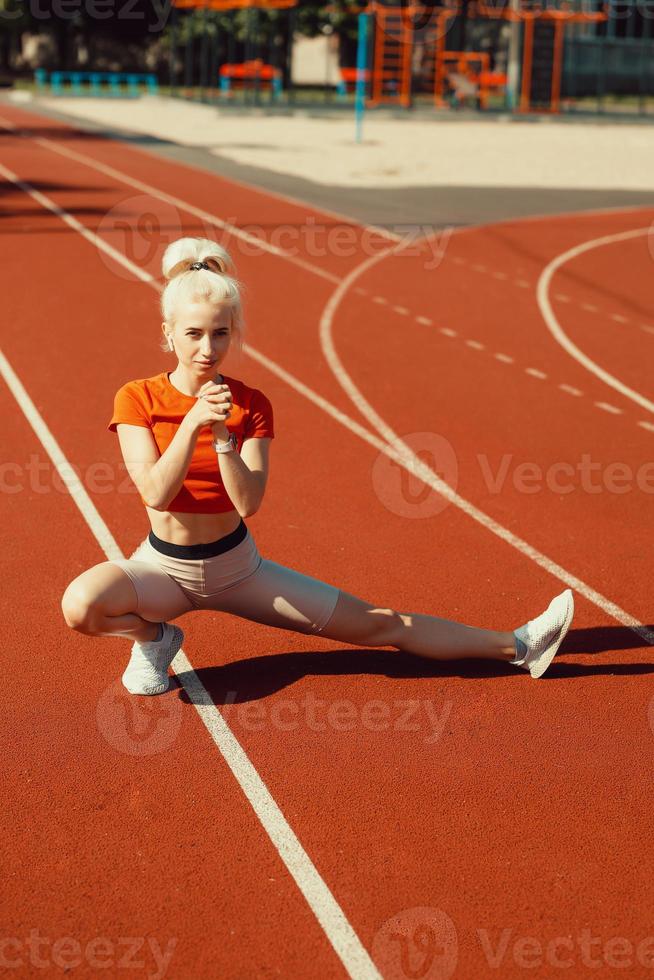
213 407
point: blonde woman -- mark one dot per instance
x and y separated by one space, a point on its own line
196 444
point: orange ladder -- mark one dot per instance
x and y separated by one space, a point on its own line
391 59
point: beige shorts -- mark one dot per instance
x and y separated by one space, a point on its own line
237 581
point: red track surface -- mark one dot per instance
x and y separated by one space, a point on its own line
502 804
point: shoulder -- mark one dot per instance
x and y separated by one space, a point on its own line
145 390
244 394
135 401
256 408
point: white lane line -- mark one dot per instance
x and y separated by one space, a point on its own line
320 899
562 298
381 300
418 468
553 325
619 318
74 485
424 319
402 310
458 260
570 390
646 326
448 332
253 188
500 275
505 358
647 425
589 308
522 283
475 344
75 225
212 219
535 373
609 408
479 268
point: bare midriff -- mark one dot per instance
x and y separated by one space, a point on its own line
182 528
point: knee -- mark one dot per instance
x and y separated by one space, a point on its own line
79 610
387 627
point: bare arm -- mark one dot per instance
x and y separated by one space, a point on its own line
245 475
158 478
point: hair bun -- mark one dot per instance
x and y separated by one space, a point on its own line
195 254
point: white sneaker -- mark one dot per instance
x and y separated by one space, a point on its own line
543 636
147 670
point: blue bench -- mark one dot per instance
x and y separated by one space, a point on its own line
118 83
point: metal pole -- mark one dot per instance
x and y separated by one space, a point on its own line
203 55
213 60
257 52
362 65
188 54
173 50
290 25
513 65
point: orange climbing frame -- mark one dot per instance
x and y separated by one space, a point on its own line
530 11
394 36
234 4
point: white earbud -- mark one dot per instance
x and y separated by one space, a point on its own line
171 346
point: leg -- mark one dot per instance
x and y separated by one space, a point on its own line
356 621
282 597
108 600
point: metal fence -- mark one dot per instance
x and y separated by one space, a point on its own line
603 74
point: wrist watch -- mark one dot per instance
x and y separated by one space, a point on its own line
225 447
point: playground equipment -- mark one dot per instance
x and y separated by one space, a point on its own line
542 46
469 74
243 73
397 33
348 80
266 75
113 83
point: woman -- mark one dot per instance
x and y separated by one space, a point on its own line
196 444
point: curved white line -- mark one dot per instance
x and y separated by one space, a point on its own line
542 291
413 464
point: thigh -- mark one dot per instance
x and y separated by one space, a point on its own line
104 589
279 596
157 596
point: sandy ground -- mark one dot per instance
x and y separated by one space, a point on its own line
394 152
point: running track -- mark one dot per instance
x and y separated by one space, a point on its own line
469 805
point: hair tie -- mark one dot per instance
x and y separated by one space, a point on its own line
199 265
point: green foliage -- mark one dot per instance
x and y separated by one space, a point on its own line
314 18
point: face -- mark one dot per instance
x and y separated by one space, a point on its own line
201 334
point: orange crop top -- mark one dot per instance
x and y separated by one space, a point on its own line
156 404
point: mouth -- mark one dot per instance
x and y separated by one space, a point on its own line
206 363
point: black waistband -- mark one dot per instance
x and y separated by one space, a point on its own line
194 551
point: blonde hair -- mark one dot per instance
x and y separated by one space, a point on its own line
185 285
